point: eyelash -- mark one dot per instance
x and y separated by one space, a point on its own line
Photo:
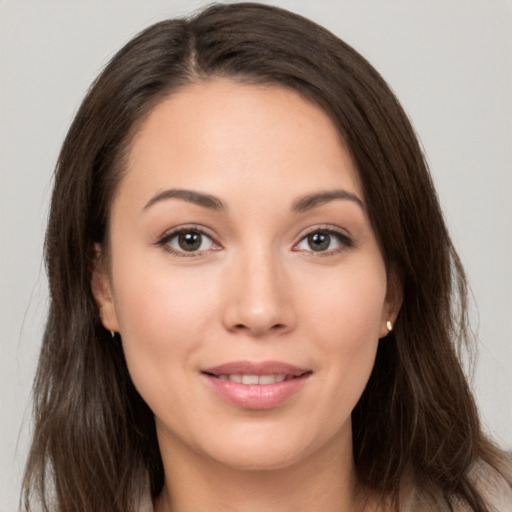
169 235
345 242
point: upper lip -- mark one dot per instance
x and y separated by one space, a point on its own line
257 368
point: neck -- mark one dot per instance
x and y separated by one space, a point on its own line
324 481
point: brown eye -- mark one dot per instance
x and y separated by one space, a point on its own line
319 241
189 241
324 240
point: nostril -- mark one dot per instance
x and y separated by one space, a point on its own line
259 329
256 318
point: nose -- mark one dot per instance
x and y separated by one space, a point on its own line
259 300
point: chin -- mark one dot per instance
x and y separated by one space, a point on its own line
257 459
264 452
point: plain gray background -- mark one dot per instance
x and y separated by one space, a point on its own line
450 63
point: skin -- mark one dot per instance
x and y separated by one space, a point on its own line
255 290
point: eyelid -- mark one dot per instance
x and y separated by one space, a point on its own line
163 240
345 239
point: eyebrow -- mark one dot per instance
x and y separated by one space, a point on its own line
204 200
312 200
302 204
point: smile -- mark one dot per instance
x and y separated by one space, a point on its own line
251 380
250 385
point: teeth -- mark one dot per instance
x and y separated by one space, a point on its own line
267 379
250 379
253 379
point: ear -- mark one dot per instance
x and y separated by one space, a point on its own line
102 291
392 304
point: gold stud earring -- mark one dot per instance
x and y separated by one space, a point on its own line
389 325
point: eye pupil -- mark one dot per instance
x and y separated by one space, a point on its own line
189 241
319 241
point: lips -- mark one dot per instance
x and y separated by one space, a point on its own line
254 379
256 385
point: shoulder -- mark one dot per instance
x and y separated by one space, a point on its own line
495 490
145 504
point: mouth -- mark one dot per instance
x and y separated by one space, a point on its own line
253 373
253 380
256 385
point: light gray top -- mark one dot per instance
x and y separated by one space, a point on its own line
495 489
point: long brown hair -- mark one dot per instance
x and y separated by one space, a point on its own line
415 427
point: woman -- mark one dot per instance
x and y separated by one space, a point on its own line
254 298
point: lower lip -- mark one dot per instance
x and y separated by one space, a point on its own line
256 396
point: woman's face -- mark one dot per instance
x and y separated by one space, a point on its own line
246 281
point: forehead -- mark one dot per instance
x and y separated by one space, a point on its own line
219 134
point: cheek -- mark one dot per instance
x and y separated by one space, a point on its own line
347 305
162 306
156 298
162 317
345 317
